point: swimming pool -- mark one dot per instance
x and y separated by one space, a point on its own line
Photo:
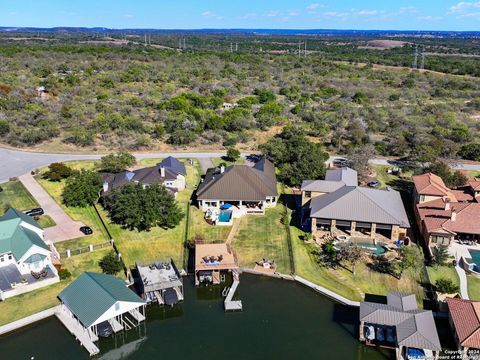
475 255
374 249
225 216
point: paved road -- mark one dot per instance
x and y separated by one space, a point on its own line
14 163
65 228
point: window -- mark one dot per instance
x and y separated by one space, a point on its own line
2 259
10 257
308 194
440 240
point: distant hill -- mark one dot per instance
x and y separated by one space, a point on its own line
322 32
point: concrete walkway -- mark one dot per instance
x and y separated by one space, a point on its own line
326 292
458 251
65 228
205 164
28 320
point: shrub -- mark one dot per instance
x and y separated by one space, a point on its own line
57 172
446 286
64 274
82 188
118 162
110 264
233 154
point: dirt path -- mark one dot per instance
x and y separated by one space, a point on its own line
66 228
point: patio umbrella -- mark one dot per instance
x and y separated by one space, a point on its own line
226 206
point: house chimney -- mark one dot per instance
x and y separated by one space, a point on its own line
162 171
453 217
105 186
222 169
447 204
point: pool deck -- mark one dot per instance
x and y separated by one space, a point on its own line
459 251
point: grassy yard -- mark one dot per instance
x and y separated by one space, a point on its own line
263 237
15 195
135 246
27 304
443 272
199 227
473 287
385 178
218 161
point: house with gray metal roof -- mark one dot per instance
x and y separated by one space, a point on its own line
240 188
340 207
401 325
170 172
98 305
25 257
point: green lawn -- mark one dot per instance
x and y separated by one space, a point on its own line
30 303
46 221
263 237
134 246
443 272
15 195
218 161
199 227
385 178
473 287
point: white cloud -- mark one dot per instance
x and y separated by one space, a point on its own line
211 15
248 16
315 6
273 13
369 12
464 6
293 13
128 16
430 18
475 15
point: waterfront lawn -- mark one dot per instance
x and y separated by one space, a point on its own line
134 246
30 303
199 227
15 195
473 287
443 272
263 237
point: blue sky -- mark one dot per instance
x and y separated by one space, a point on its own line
292 14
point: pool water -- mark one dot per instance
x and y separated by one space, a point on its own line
475 254
377 249
225 216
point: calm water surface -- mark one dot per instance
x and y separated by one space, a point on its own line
280 320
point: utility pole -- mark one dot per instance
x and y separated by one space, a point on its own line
231 47
145 39
415 59
299 49
422 65
149 40
236 47
184 44
305 48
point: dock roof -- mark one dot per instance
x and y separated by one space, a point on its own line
92 294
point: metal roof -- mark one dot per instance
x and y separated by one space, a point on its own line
14 237
414 327
92 294
322 186
346 175
353 203
240 182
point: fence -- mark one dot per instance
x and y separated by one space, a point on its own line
82 250
289 234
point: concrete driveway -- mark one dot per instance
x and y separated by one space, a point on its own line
65 228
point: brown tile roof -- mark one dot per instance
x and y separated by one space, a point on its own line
465 315
437 219
240 182
475 185
431 184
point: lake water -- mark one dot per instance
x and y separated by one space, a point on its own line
281 320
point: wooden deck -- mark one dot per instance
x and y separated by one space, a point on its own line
233 305
79 332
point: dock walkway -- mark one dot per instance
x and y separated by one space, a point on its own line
80 334
233 305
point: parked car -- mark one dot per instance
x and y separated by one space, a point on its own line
374 184
87 230
35 212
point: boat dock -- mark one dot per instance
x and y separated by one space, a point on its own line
233 305
79 332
